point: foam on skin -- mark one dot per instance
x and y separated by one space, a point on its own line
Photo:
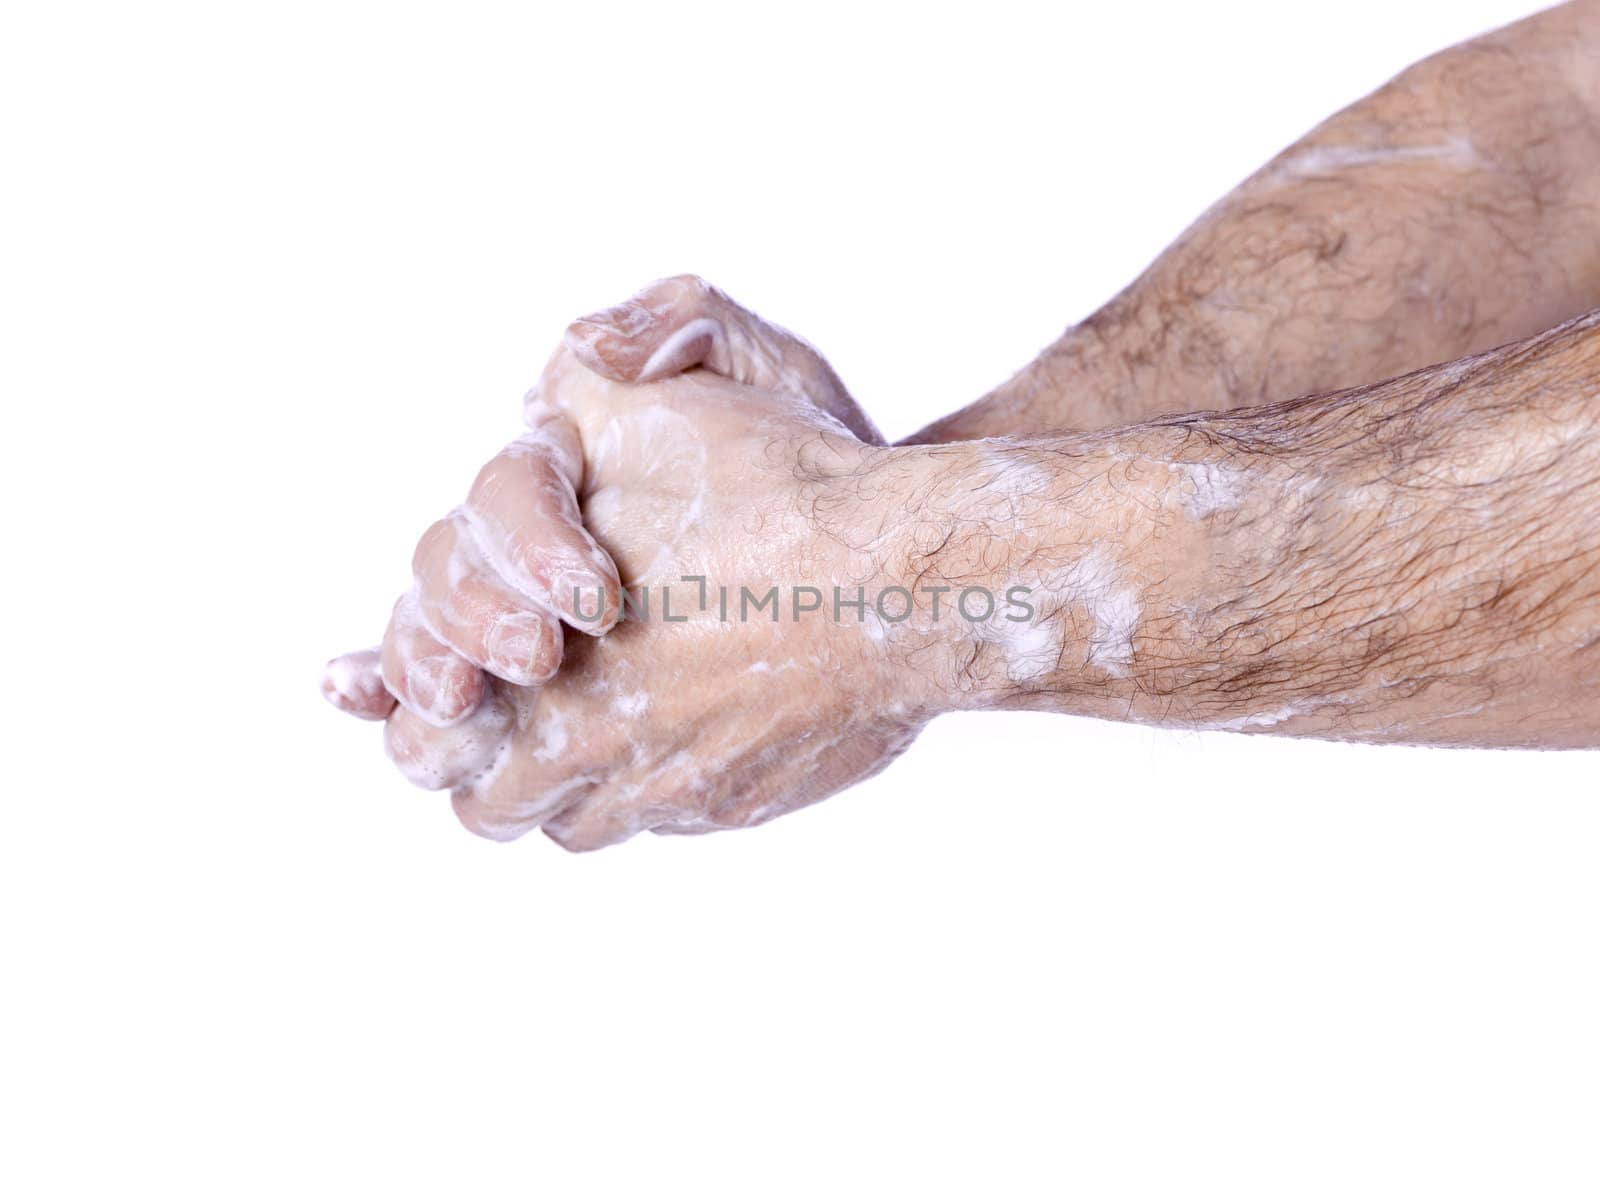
353 683
432 682
461 755
1327 160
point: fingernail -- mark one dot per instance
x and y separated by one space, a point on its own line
514 647
580 595
435 691
628 319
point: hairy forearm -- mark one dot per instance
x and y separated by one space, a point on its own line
1454 210
1414 561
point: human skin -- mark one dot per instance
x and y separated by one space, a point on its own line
1103 597
1415 561
1455 209
497 578
684 722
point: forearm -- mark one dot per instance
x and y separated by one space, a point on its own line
1454 210
1415 561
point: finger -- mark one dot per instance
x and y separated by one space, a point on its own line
353 683
464 604
423 673
478 817
599 822
525 790
435 758
524 518
676 324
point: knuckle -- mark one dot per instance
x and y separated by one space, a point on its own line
690 284
493 477
411 757
571 840
402 612
480 819
435 536
695 295
579 829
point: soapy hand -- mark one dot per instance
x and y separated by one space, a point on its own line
671 720
518 547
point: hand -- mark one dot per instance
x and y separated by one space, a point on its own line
669 724
444 634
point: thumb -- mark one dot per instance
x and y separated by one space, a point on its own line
676 324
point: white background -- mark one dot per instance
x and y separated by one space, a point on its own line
274 278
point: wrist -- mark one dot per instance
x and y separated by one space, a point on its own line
1021 574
